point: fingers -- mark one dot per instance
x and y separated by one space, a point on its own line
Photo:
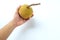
18 9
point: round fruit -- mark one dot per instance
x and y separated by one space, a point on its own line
25 12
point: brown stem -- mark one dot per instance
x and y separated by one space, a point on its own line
33 5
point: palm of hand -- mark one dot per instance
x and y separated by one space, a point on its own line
17 19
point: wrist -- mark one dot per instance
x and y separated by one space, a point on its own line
13 23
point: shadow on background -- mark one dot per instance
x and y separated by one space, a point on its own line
29 25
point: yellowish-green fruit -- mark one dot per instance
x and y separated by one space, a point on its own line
25 12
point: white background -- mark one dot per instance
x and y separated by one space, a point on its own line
44 25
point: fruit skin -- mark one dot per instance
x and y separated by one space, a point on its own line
25 12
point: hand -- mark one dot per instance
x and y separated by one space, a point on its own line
17 19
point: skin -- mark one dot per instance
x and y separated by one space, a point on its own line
8 28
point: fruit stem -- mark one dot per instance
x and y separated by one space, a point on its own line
33 5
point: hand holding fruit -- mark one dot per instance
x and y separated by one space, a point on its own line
23 13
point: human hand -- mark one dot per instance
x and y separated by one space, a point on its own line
17 19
